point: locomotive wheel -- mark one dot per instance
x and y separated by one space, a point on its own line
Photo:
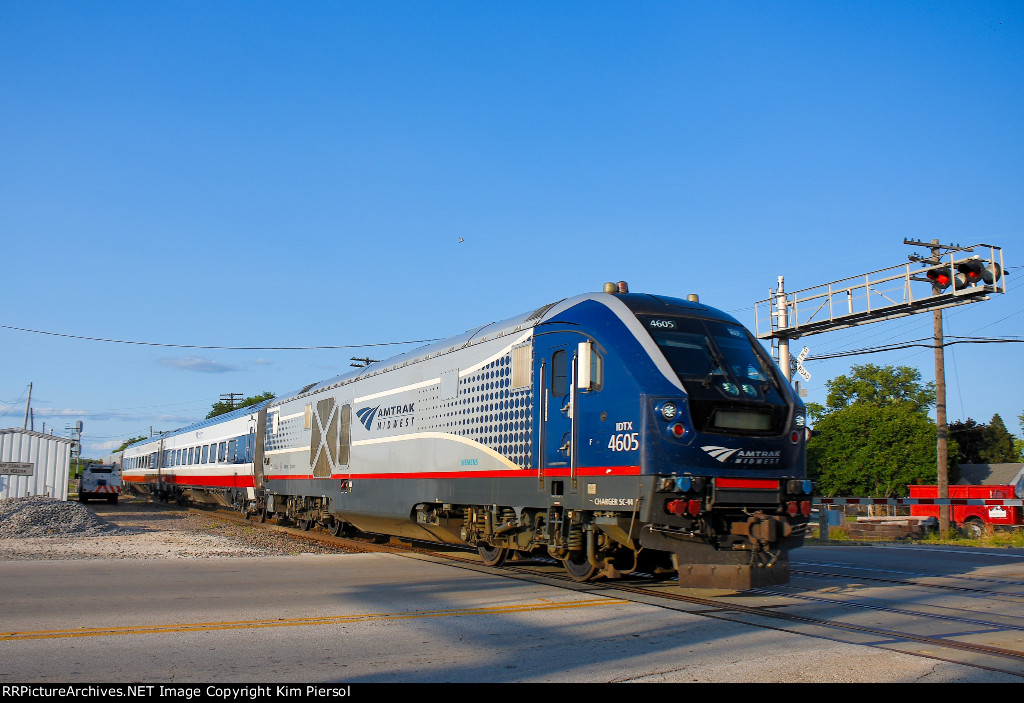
579 567
336 528
304 524
492 556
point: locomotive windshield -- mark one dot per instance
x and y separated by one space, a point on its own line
719 360
712 351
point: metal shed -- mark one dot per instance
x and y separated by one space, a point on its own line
33 464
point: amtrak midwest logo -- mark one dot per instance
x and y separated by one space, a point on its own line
366 415
743 456
389 418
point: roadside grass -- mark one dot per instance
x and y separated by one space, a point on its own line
998 538
992 539
838 534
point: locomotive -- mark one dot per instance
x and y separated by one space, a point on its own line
615 432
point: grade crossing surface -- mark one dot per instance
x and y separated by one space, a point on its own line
385 617
881 613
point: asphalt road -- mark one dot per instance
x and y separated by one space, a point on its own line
386 618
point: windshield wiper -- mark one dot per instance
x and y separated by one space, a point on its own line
716 363
769 378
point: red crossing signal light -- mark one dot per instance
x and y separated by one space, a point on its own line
941 276
969 272
976 270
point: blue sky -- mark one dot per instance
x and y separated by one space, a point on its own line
299 174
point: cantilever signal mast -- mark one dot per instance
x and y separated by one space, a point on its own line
941 281
884 295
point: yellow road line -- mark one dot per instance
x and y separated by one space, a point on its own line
298 622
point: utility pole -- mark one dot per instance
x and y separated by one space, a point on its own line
941 428
229 398
28 404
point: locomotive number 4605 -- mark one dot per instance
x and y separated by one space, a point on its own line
624 442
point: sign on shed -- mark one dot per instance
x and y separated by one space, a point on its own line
15 468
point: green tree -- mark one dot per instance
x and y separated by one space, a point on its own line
223 406
874 436
984 444
872 451
880 385
1018 444
133 440
970 436
998 443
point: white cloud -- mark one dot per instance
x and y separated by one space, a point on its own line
134 416
101 447
196 363
80 414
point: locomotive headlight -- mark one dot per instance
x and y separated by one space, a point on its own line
799 420
669 411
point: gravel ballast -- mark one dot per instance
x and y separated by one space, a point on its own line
41 528
41 516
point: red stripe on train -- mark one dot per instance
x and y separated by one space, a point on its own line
746 483
483 473
242 481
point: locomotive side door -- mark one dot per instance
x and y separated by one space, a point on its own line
556 366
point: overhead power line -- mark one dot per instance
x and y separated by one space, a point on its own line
204 346
917 343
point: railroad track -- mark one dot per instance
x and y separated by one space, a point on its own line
917 579
772 609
